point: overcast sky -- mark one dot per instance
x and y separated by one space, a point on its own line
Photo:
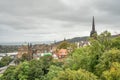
49 20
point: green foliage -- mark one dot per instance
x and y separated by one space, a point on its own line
97 57
63 45
8 74
5 61
116 42
95 51
17 73
39 68
57 63
46 61
86 57
25 57
113 73
75 75
36 70
107 59
94 36
21 71
1 75
53 72
29 70
105 40
78 59
66 45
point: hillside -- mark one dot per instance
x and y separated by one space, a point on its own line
84 38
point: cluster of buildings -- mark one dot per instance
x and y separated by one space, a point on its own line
40 50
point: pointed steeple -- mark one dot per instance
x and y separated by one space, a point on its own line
64 39
93 31
54 41
93 24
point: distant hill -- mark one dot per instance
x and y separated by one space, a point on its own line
77 39
84 38
116 35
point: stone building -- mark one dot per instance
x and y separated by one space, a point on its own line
25 49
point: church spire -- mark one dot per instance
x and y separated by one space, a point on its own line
93 24
93 31
64 39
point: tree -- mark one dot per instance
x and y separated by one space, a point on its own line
63 45
36 70
66 45
25 57
19 72
78 59
46 61
116 42
106 60
95 50
75 75
105 39
53 72
9 74
22 71
86 57
39 68
5 61
113 73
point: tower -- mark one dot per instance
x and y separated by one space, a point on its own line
93 31
65 39
30 51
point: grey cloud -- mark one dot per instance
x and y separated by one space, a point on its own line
109 6
55 19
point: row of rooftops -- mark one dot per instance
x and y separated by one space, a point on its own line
43 49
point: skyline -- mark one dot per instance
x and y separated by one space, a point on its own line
49 20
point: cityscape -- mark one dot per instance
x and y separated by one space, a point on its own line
59 40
